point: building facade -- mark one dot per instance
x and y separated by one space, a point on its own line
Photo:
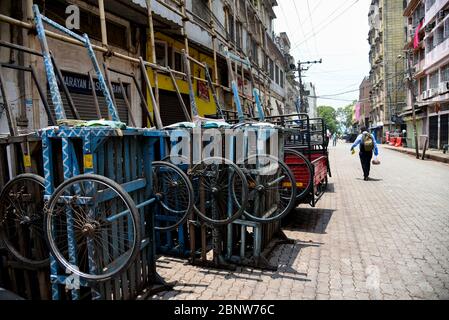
243 27
429 62
364 103
386 38
311 100
126 35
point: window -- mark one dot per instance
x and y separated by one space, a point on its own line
416 57
271 66
230 26
239 35
446 29
282 78
276 74
445 73
422 84
254 51
178 63
433 80
161 53
430 44
439 35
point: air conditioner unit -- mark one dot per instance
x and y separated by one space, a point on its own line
424 95
432 93
444 87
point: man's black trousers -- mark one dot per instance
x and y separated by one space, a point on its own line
365 159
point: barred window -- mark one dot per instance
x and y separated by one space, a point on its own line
445 73
434 80
439 35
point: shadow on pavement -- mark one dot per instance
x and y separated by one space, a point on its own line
371 180
312 220
330 188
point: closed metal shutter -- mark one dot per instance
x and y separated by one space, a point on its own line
86 108
171 110
433 132
444 130
81 93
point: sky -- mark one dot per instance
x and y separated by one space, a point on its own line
335 31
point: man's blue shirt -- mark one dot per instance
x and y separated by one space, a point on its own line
359 141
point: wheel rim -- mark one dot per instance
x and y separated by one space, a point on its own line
221 191
174 194
90 236
272 188
21 220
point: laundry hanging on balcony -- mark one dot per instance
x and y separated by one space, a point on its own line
416 39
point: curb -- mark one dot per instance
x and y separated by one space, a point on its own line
433 157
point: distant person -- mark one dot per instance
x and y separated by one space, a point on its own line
368 144
334 139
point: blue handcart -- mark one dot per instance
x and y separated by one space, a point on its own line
100 192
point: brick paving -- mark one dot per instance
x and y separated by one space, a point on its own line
383 239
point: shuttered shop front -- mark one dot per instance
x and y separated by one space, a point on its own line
81 93
171 110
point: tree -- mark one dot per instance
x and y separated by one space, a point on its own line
344 116
329 115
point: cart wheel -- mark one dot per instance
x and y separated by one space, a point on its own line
22 220
272 188
302 170
93 227
174 194
221 190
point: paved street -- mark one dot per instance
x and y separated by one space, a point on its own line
383 239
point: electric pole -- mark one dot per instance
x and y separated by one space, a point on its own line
301 84
411 88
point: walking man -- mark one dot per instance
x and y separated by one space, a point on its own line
334 139
367 144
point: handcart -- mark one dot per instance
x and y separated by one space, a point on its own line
306 154
220 186
272 190
22 196
99 221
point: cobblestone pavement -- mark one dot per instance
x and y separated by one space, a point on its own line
382 239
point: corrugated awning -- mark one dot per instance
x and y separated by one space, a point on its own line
161 11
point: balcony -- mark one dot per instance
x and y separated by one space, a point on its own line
411 6
419 67
433 11
438 53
